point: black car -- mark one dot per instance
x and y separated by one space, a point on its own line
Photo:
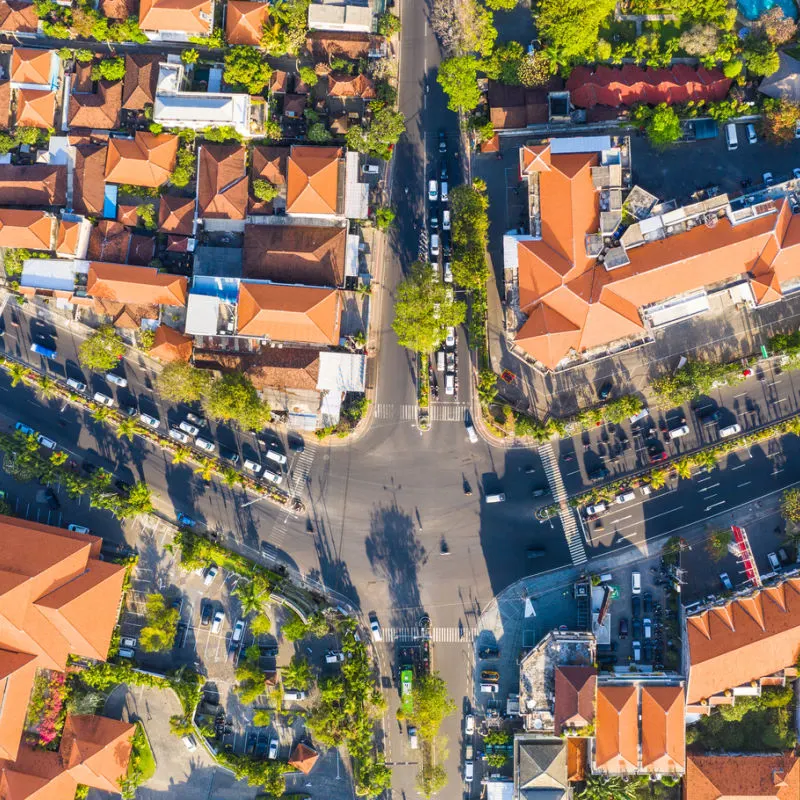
231 456
489 652
206 612
541 491
623 627
296 444
708 416
647 599
536 552
442 142
637 629
605 391
598 474
129 411
51 498
636 606
268 650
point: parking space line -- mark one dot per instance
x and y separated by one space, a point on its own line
746 483
739 466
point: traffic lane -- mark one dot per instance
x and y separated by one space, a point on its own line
744 478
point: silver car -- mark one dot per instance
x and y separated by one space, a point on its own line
150 421
103 399
178 436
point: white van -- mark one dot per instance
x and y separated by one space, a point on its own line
498 497
730 137
490 688
278 458
449 384
636 582
676 433
730 430
440 361
469 771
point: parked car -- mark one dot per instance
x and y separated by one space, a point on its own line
595 508
23 428
726 581
471 434
647 625
334 657
605 391
276 456
51 499
490 688
210 574
195 420
230 456
103 399
442 142
216 623
204 444
294 694
469 724
768 179
599 474
435 245
636 606
625 497
636 627
647 602
450 339
375 628
192 430
296 444
179 436
469 771
446 220
44 441
773 561
272 477
117 380
129 411
78 386
150 420
448 272
623 628
490 676
238 630
636 648
206 612
636 582
185 520
413 742
252 466
78 528
433 190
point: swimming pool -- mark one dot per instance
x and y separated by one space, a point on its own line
752 9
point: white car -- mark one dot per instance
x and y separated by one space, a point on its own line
204 444
238 630
625 497
277 457
294 694
449 384
150 421
450 340
104 399
252 466
116 379
448 272
375 628
272 477
433 191
211 573
216 623
595 508
469 771
473 436
192 430
273 749
189 742
469 724
179 436
44 441
435 245
78 528
446 220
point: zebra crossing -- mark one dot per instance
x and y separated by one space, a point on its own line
439 412
567 515
436 635
299 476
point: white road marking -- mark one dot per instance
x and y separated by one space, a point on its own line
739 466
706 488
746 483
714 505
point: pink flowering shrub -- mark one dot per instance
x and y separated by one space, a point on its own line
47 709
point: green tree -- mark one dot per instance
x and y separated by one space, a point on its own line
388 24
318 133
46 387
17 372
600 787
717 544
760 56
285 29
496 760
260 625
294 628
504 63
298 674
382 134
778 120
180 382
146 213
264 190
536 69
109 69
190 56
424 310
657 478
102 351
252 595
205 469
501 5
262 718
184 168
127 429
431 705
249 677
664 126
181 455
160 625
137 501
308 76
487 387
790 505
233 398
384 217
247 69
571 27
458 77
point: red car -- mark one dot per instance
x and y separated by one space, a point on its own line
656 457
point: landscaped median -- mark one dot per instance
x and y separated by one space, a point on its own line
128 427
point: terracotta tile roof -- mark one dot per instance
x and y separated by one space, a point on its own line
23 228
118 9
89 179
628 85
18 17
67 237
313 179
663 731
56 598
289 313
188 16
617 729
127 214
743 640
141 77
245 21
147 160
322 44
222 182
135 285
573 303
36 108
176 214
343 85
5 105
278 81
294 105
112 241
98 109
125 315
295 254
303 758
170 345
517 107
268 163
271 367
574 690
29 65
33 185
729 777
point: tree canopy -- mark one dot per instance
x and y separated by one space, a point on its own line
102 351
160 625
458 77
182 383
424 310
382 134
246 68
233 398
571 28
285 29
790 505
779 120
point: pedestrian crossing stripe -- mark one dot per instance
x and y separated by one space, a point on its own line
442 635
406 412
438 412
448 412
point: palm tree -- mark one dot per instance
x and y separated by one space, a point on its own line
127 428
101 413
297 675
230 476
47 387
684 468
658 477
706 459
181 455
18 372
252 595
206 469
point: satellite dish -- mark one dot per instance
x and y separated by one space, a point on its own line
537 724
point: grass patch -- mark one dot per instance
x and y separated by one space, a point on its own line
142 764
666 31
752 725
616 31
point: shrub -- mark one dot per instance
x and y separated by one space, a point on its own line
264 190
109 69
